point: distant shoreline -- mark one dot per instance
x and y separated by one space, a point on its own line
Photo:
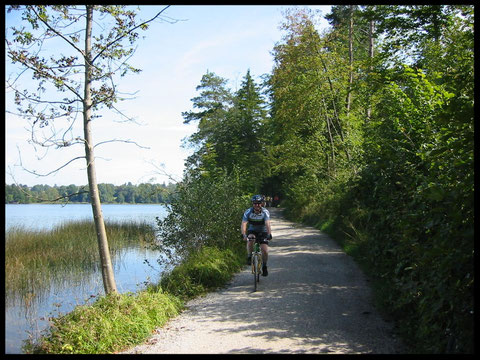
85 203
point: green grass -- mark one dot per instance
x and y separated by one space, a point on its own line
202 272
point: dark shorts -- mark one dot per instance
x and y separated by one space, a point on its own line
261 236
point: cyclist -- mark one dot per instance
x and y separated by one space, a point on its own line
258 220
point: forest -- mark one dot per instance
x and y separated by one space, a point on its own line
365 131
127 193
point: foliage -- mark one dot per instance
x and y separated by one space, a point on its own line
418 215
400 195
144 193
313 133
230 134
205 212
225 168
203 271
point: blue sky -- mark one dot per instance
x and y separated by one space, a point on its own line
226 40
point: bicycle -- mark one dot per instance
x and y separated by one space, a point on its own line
257 261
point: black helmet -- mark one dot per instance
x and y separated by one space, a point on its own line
257 198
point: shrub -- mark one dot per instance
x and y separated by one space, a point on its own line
206 211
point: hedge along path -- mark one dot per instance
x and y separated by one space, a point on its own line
314 300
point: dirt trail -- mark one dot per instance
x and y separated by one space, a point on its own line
314 300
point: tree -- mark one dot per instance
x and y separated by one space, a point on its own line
230 128
411 210
248 130
83 81
213 103
313 129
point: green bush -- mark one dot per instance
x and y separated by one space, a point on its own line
408 215
206 211
203 271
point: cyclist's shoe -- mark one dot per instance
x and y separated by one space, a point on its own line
249 260
264 270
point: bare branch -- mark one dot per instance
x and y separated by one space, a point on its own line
161 170
117 140
128 32
57 32
51 172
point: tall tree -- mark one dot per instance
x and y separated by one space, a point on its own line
60 80
309 85
230 129
248 127
213 104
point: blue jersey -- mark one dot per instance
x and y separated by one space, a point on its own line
256 222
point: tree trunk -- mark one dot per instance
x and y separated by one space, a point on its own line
371 47
350 62
106 263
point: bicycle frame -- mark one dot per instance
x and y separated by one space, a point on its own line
256 263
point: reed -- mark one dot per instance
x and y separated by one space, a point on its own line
35 258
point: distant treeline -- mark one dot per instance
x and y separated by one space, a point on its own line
109 193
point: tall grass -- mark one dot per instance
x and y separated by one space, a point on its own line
36 258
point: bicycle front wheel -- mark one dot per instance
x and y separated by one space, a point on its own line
255 271
259 267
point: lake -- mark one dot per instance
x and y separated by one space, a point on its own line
130 268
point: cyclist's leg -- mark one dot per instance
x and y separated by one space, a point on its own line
264 249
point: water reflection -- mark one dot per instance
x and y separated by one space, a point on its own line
27 314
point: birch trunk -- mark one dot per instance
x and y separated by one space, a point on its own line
371 45
106 263
350 62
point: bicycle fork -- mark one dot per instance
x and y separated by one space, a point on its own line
256 264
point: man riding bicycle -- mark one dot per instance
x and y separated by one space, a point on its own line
258 220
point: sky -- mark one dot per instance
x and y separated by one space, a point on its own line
225 40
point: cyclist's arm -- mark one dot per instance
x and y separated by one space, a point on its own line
269 227
243 228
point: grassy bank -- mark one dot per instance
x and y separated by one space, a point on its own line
117 322
112 323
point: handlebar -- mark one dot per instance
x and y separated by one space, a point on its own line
268 237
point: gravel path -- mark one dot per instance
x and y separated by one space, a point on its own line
314 300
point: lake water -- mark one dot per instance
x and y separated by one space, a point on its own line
130 268
46 216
